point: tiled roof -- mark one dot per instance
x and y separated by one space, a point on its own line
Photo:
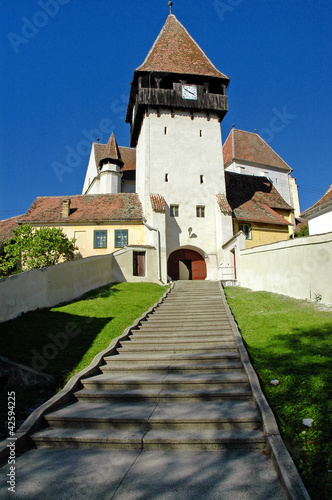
254 199
241 145
86 208
175 51
158 203
223 204
325 200
127 155
111 151
7 227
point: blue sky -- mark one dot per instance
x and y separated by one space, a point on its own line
67 67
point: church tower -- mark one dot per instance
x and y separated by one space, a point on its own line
177 101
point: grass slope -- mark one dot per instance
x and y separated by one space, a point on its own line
290 340
63 340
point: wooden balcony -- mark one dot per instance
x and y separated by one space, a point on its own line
172 99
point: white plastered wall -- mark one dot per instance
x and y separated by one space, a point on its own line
189 152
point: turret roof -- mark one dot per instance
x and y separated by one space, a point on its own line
175 51
111 151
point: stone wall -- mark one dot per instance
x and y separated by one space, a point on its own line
300 268
50 286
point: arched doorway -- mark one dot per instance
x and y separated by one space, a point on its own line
186 264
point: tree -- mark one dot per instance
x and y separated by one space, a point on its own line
303 231
36 248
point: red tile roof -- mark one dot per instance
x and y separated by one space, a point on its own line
223 204
325 201
127 155
111 151
86 208
241 145
7 227
255 199
158 203
175 51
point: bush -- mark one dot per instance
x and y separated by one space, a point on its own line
36 248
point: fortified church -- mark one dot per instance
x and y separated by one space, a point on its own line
176 203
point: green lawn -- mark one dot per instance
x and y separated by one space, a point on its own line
290 340
63 340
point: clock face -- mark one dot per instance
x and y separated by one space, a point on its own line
189 92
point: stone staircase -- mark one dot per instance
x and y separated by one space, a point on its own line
178 382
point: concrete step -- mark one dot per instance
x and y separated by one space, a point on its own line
172 368
151 334
184 349
207 415
152 439
185 329
164 340
180 322
156 395
137 359
173 382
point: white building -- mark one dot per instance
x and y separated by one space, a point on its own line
319 216
175 163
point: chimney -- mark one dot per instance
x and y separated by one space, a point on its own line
65 208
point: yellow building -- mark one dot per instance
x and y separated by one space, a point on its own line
258 209
101 223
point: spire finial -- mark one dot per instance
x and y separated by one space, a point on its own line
170 5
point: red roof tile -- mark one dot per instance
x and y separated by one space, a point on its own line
86 208
325 200
241 145
7 227
158 203
111 151
175 51
223 204
254 199
127 155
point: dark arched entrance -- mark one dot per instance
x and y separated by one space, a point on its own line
186 264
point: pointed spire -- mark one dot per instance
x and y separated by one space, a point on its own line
175 51
111 152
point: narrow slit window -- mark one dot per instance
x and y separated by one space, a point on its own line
166 177
201 133
201 179
174 210
165 130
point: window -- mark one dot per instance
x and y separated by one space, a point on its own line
120 238
166 177
201 179
200 211
165 130
100 239
201 133
246 228
174 210
138 263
